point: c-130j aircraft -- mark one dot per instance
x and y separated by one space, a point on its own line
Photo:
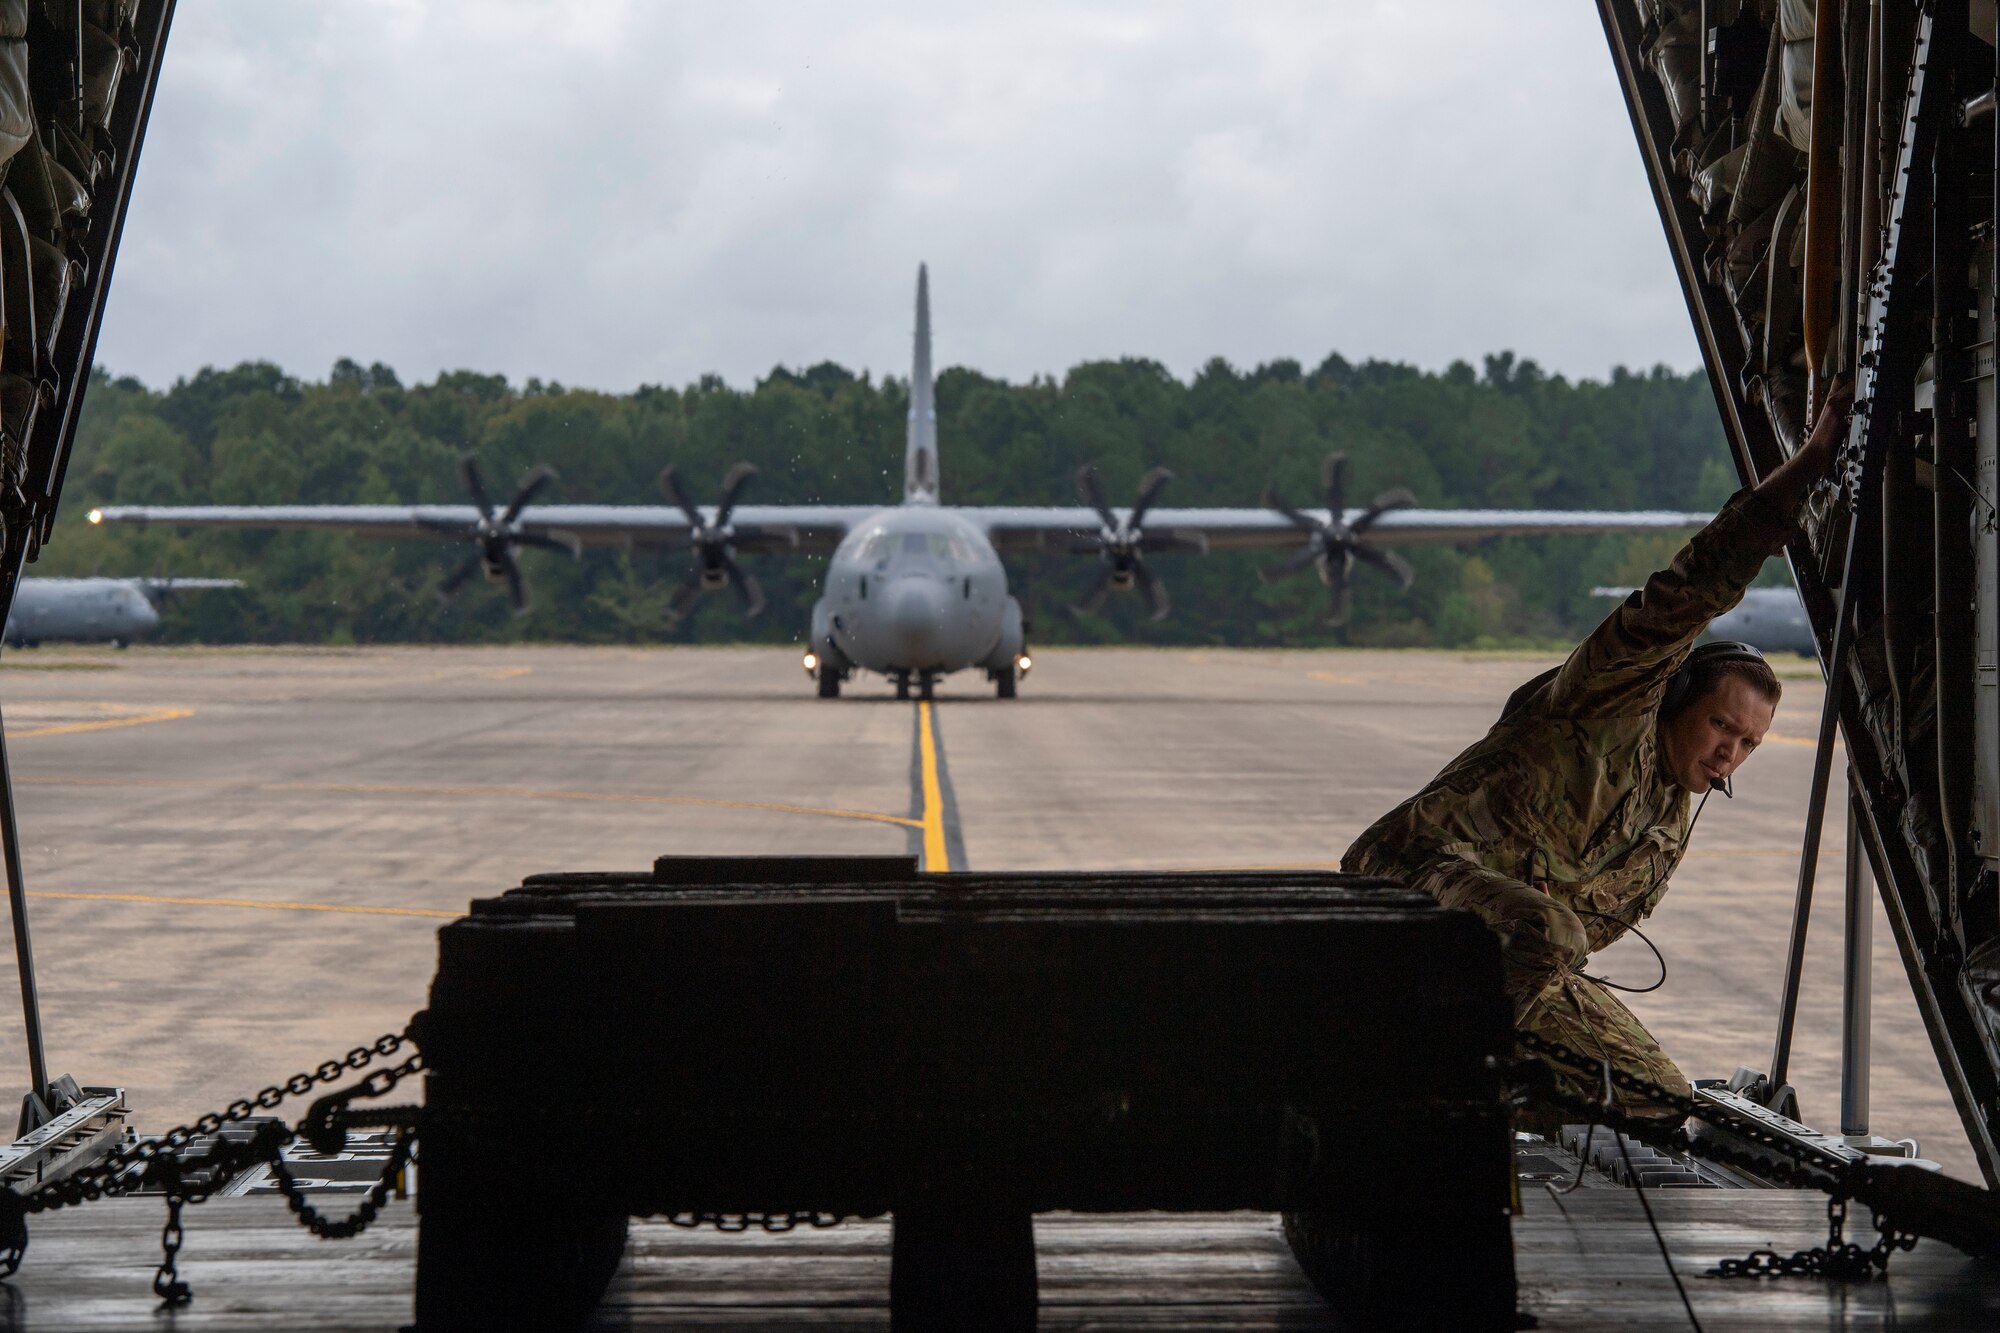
916 590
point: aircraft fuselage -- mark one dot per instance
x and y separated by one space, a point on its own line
88 610
917 590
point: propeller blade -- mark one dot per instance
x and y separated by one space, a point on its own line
517 587
1276 503
555 539
468 472
683 600
1333 484
746 585
458 577
1092 494
732 484
530 487
670 486
1388 562
444 527
1285 568
1149 490
1094 599
1399 498
1336 582
1155 591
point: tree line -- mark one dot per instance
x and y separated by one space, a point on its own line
1507 435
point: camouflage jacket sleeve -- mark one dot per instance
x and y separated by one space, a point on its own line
1624 664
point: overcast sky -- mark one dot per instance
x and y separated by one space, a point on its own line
617 192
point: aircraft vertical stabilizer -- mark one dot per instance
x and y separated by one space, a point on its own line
920 460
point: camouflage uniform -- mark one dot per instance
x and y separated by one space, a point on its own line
1568 787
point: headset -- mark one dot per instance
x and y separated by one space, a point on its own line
1680 685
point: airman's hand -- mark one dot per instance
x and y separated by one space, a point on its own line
1786 485
1831 428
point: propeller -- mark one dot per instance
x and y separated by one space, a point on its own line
1334 544
1121 543
715 544
497 536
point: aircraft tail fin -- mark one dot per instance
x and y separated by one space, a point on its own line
920 460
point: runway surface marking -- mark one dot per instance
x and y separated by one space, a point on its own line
930 792
136 719
479 793
241 902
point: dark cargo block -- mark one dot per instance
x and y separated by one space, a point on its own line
759 1035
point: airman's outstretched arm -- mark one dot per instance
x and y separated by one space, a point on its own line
1624 664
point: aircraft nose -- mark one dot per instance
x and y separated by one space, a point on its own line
915 619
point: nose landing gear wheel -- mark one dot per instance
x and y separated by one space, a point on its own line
1005 684
903 685
829 684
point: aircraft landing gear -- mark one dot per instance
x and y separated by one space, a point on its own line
829 683
1005 683
925 684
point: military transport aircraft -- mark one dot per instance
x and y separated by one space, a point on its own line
92 610
1772 619
916 590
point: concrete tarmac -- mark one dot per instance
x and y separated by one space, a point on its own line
239 857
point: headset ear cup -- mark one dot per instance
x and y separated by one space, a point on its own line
1681 683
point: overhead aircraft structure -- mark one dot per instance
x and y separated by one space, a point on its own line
1771 619
916 590
93 610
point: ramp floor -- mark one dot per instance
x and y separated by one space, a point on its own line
1589 1263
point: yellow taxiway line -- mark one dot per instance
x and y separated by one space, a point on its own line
102 724
936 855
242 902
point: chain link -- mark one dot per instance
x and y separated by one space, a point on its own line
163 1162
1839 1258
356 1222
115 1172
167 1284
1795 1165
775 1223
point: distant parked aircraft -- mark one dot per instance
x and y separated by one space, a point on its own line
1772 619
92 610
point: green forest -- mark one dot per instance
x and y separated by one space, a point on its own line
1506 435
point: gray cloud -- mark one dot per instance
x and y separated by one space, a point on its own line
610 193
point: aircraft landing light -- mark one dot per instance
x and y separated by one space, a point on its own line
1025 662
811 663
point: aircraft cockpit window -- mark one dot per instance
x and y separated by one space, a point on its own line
871 544
937 545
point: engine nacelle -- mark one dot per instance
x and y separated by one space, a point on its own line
1012 642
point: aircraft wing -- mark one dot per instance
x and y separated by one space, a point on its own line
1018 528
802 527
171 584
